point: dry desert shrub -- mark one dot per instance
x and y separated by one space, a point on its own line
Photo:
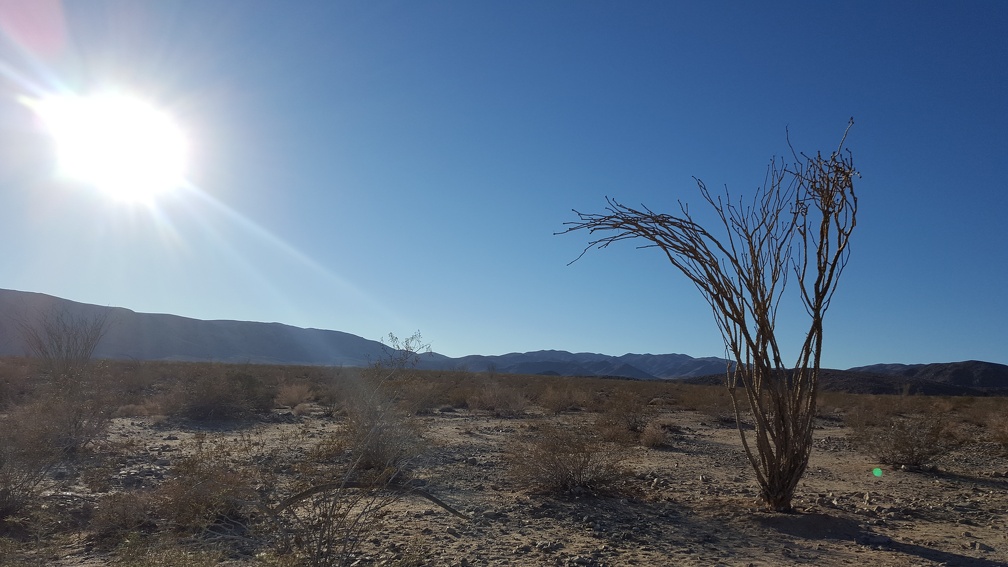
16 383
557 460
207 491
213 393
500 399
378 434
714 401
26 455
293 394
561 397
659 434
997 430
421 393
979 411
344 484
457 389
351 476
623 418
914 440
119 514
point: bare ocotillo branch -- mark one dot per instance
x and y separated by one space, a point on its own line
798 223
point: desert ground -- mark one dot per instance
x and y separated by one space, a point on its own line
160 485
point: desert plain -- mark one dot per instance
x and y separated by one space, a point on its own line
473 478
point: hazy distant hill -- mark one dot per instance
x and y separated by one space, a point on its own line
967 374
147 336
971 378
562 363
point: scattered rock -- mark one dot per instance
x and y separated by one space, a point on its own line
980 546
874 539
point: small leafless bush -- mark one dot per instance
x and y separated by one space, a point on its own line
559 460
206 490
220 395
379 435
78 391
351 476
76 417
26 455
997 430
325 523
63 342
499 399
912 441
624 418
16 383
713 401
558 398
334 503
658 434
292 394
119 514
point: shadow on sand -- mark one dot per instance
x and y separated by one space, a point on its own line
817 526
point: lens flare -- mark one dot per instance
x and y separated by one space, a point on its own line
118 144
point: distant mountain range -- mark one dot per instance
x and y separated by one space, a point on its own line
147 336
969 378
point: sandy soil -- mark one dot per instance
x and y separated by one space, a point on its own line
692 503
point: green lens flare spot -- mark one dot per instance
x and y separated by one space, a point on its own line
877 472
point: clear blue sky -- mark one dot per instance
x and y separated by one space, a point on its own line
378 167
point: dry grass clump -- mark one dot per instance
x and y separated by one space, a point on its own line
500 399
914 440
207 491
26 455
119 515
220 395
16 383
293 394
163 552
558 460
561 397
997 431
378 435
624 417
713 401
659 434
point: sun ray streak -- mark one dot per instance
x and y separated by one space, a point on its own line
341 286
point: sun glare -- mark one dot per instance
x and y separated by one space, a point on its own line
120 145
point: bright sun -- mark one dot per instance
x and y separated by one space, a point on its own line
122 146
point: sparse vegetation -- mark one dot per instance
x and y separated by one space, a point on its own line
560 460
499 398
623 418
76 391
26 455
293 394
282 488
913 441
